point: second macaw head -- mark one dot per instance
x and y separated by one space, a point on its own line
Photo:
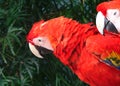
108 16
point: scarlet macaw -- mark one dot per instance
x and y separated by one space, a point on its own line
93 57
108 16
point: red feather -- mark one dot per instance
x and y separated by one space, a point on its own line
82 48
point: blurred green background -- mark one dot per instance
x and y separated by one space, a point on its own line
18 66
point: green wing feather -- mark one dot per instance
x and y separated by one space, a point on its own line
113 59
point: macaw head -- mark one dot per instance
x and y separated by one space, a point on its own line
39 43
108 16
45 35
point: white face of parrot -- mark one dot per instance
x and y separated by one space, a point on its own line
114 17
40 46
110 22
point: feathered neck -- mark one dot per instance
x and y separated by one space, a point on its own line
72 41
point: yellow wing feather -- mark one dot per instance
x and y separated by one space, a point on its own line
114 58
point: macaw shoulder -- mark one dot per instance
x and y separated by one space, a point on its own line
105 48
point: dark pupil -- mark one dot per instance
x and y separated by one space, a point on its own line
39 40
115 13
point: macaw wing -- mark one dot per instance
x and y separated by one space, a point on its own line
105 48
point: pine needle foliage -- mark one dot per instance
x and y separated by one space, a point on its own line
18 67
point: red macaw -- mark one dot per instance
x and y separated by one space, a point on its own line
93 57
108 16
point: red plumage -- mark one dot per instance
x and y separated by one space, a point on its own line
83 49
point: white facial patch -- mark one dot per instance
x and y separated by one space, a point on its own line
113 15
43 42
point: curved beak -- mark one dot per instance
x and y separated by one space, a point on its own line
103 23
34 50
39 51
100 22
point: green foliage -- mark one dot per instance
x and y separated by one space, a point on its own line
18 67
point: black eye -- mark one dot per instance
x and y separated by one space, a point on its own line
115 13
39 40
